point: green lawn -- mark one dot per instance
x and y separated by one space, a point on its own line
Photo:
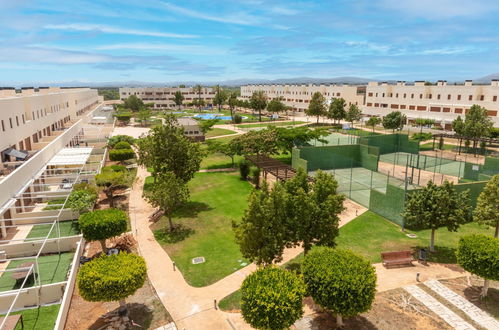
231 302
219 132
217 199
429 146
53 269
218 160
285 123
67 228
43 317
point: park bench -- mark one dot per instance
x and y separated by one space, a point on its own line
397 258
12 321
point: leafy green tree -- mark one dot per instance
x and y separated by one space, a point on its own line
168 193
143 116
477 123
276 105
288 138
479 255
258 102
353 114
458 125
339 281
219 98
373 121
123 117
198 89
261 235
433 207
100 225
178 98
112 141
238 119
165 149
337 110
394 120
228 149
313 209
244 169
271 298
422 122
257 142
232 102
317 106
206 125
133 103
122 145
110 181
81 201
112 278
487 207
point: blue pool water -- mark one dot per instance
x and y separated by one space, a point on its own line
214 116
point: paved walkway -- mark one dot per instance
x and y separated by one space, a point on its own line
438 308
476 314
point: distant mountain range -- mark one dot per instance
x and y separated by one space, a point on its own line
229 83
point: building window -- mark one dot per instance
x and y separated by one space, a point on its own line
481 97
470 98
494 99
3 126
459 97
438 97
24 122
420 96
10 121
412 96
17 121
429 96
448 97
405 95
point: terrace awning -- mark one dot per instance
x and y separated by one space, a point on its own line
16 153
71 156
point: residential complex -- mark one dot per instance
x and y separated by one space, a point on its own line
442 102
163 97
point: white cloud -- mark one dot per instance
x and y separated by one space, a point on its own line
114 30
190 49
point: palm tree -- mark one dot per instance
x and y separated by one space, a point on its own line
198 89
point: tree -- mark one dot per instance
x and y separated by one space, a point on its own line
313 209
337 109
487 207
232 102
111 278
123 117
317 106
229 149
458 125
112 141
288 138
394 120
219 98
271 298
122 145
479 254
276 105
421 122
100 225
168 193
353 114
257 142
133 103
339 281
258 102
433 207
261 235
198 89
110 181
477 123
206 125
143 115
81 201
165 149
373 121
178 98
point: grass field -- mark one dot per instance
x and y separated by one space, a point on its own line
219 132
282 123
217 199
38 318
53 269
67 228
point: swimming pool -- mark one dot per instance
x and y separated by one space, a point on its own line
214 116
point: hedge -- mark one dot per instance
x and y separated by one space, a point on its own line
121 154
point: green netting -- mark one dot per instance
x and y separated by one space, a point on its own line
389 204
336 139
424 162
391 143
482 172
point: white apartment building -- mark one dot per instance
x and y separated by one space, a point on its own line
442 102
163 97
29 120
298 96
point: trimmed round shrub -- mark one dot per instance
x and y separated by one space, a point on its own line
112 141
100 225
238 119
120 155
479 255
117 168
81 200
122 145
90 188
244 169
111 278
271 298
339 280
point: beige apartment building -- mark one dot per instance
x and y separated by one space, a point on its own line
298 96
442 102
31 118
163 97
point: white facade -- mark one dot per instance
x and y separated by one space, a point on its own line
163 97
298 96
442 102
28 119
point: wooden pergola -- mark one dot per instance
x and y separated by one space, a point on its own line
272 166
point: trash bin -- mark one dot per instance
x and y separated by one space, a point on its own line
422 255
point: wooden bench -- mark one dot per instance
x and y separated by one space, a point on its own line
12 321
397 258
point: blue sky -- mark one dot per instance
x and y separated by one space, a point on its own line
161 41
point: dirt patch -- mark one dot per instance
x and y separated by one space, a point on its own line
391 310
421 177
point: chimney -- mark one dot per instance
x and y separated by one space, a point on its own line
468 82
384 83
442 83
401 83
7 91
494 82
27 91
372 83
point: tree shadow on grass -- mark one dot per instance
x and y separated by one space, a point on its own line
140 314
179 233
442 255
191 209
